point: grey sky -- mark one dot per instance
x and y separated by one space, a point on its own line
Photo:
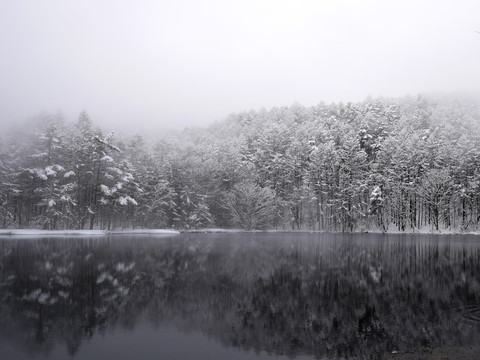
178 63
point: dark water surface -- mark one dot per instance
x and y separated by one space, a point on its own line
237 296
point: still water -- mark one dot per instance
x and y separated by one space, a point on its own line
237 296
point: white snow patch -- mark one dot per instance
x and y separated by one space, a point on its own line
147 231
217 230
105 189
63 281
122 268
33 295
107 158
116 170
69 173
42 299
122 291
127 177
49 171
39 173
376 274
37 232
39 155
124 200
102 277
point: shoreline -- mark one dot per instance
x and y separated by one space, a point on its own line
39 232
376 232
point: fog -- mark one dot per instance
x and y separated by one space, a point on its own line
171 64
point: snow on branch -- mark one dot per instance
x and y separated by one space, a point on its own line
40 173
107 158
124 200
104 142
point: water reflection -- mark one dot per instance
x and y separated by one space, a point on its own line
353 296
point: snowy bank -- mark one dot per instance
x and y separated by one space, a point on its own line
423 231
214 231
145 231
241 231
36 232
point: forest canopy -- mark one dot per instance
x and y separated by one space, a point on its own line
401 164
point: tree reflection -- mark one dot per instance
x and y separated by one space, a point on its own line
324 295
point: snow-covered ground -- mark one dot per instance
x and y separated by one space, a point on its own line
214 230
425 230
36 232
146 231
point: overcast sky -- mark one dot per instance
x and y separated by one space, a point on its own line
163 63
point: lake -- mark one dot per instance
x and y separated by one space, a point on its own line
237 296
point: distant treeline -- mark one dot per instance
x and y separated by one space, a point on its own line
388 164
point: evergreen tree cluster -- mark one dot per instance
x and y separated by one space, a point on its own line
386 164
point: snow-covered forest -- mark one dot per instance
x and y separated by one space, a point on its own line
384 164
